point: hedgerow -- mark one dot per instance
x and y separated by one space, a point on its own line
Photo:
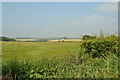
100 47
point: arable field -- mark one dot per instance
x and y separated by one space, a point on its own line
66 40
37 50
26 39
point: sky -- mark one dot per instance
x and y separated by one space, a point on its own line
58 19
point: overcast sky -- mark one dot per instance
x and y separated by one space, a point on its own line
58 19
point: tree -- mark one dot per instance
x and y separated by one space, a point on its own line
7 39
86 37
65 38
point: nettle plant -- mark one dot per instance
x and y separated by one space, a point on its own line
100 47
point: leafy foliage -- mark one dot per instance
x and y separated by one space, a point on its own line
100 46
87 37
70 67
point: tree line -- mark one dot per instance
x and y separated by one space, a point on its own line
2 38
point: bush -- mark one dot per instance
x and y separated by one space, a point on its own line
69 67
100 46
24 69
87 37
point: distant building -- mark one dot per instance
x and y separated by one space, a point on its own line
62 40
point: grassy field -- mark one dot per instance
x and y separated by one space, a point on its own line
37 50
96 58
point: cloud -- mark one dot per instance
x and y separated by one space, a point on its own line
94 19
93 23
99 21
108 7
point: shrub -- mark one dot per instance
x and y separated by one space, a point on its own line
100 46
69 67
24 69
87 37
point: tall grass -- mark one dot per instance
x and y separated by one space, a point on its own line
71 67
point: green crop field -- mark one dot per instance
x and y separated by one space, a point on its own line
37 50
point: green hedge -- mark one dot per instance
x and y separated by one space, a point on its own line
100 46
